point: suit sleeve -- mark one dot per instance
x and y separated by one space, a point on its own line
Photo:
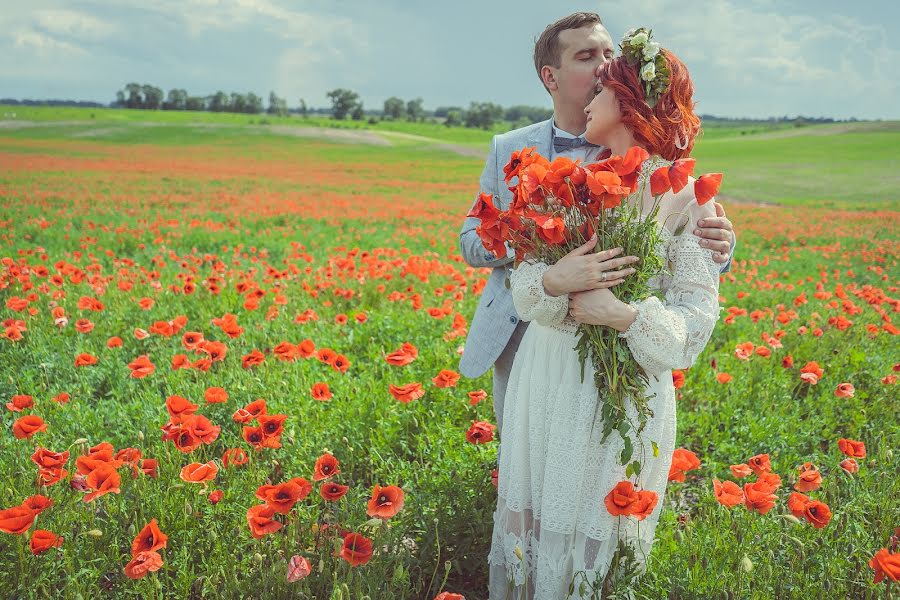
470 246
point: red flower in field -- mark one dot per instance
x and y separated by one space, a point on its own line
260 520
215 496
332 492
810 478
327 355
797 503
27 426
181 361
744 350
191 340
102 480
37 503
740 471
298 568
326 466
885 564
728 493
787 362
148 539
357 550
199 473
852 448
180 407
817 513
771 479
385 502
306 348
141 334
678 379
143 563
250 411
723 377
215 395
283 496
216 351
407 393
477 396
84 326
340 319
234 456
149 466
42 540
88 303
286 351
321 392
141 366
759 496
480 432
61 398
16 520
19 402
449 596
845 390
85 360
272 427
760 463
253 436
683 460
446 379
624 500
341 363
706 187
254 359
811 373
849 465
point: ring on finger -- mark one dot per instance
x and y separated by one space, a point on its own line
603 276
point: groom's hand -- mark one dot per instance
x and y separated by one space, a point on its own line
717 233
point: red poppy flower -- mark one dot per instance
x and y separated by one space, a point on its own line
357 550
199 473
321 392
234 456
84 360
326 466
215 395
406 393
679 172
759 497
27 426
102 480
683 460
42 540
480 432
332 492
706 187
728 493
385 502
281 497
141 366
16 520
852 448
260 520
143 563
446 379
148 539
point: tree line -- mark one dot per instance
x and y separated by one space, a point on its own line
344 104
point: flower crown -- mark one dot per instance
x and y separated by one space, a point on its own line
640 51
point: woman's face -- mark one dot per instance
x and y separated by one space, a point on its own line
603 115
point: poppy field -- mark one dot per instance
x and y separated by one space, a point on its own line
229 368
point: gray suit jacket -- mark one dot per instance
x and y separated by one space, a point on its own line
496 318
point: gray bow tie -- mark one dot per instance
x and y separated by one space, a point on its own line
561 144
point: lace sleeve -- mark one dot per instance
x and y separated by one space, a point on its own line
671 335
531 301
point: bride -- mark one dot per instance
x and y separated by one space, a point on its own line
552 529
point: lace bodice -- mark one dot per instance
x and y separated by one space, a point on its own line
666 334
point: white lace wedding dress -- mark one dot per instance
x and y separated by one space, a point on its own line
551 521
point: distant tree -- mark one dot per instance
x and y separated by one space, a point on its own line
442 111
195 103
238 103
454 118
483 114
177 100
342 102
358 113
277 106
218 102
153 96
135 100
120 99
414 110
254 104
304 110
394 108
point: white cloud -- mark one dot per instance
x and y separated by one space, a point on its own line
43 45
73 24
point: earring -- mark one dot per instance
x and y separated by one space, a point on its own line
678 143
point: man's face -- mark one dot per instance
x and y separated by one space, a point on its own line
583 50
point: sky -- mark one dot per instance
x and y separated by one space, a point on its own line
748 58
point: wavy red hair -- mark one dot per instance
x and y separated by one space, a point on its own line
672 120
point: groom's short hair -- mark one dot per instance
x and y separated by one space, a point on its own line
547 50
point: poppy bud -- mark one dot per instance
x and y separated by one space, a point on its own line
258 557
188 509
80 441
746 564
140 435
94 533
792 519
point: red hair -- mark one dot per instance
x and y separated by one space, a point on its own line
671 121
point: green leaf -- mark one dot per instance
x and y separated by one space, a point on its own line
655 449
626 451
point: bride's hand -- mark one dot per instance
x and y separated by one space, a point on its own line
582 269
601 307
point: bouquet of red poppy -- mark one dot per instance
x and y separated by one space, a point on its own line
557 207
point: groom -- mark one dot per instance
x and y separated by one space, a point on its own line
566 56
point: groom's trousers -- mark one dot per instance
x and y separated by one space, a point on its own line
502 369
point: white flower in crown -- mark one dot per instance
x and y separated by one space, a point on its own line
639 39
648 72
651 50
630 33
